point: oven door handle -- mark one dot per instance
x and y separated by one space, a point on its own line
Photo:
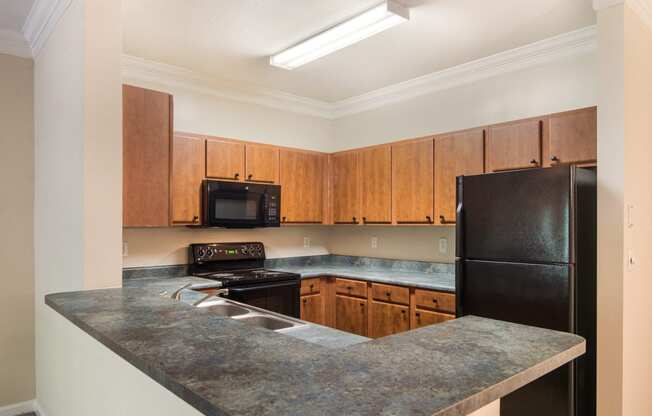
264 286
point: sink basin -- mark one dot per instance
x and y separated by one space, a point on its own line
224 309
267 322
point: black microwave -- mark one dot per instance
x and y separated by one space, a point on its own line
241 205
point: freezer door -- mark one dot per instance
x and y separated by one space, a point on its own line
522 216
532 294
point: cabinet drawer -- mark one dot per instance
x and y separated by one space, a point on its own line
351 287
425 318
439 301
391 294
310 286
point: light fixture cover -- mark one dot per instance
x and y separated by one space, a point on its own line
362 26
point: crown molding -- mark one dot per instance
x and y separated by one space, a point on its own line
568 44
13 43
135 69
41 22
578 42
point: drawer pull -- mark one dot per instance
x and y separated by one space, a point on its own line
361 304
418 315
349 288
305 300
388 294
403 311
434 301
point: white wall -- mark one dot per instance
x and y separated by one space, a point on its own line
16 223
565 84
78 161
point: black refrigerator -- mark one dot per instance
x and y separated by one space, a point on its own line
526 253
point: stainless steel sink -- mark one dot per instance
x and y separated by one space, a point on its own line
224 309
250 315
267 322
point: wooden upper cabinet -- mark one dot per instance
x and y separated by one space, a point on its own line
146 139
262 163
302 186
572 138
412 182
345 177
225 159
188 168
455 154
376 185
513 146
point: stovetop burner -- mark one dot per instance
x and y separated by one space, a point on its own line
241 277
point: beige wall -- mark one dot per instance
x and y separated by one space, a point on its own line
624 178
556 86
16 238
77 98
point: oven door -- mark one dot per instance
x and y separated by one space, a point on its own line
279 297
233 205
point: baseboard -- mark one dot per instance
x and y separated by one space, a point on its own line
20 408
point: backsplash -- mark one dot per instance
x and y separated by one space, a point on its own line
370 263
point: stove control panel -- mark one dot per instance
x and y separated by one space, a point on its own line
210 252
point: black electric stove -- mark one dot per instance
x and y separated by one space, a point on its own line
240 268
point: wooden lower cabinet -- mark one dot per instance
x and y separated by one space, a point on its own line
312 309
351 315
425 318
372 310
388 319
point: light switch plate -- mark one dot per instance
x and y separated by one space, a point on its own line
306 242
374 242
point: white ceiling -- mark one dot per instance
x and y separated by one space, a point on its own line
232 40
13 14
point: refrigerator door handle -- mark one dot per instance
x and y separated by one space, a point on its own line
459 218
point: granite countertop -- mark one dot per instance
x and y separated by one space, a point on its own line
224 367
425 275
311 332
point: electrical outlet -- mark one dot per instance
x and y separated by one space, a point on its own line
125 249
306 242
374 242
443 245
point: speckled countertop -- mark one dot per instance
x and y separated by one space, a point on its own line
224 367
425 275
313 333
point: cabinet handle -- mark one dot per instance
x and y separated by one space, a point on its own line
443 220
534 162
402 310
349 288
554 159
283 219
417 314
312 286
305 300
429 220
195 218
388 294
434 301
364 220
250 176
236 176
361 304
355 220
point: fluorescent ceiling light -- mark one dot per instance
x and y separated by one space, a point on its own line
375 20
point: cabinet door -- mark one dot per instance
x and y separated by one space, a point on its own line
514 146
412 182
224 159
188 169
572 138
455 154
376 185
425 318
261 163
388 319
346 188
351 315
302 186
312 309
146 140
